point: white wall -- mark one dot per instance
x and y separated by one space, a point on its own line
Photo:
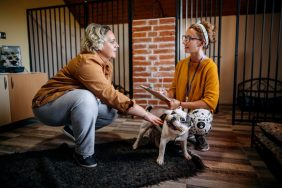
262 55
227 59
13 22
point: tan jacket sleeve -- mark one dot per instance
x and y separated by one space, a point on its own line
94 77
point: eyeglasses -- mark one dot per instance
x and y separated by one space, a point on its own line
187 38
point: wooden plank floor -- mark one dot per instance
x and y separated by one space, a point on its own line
231 161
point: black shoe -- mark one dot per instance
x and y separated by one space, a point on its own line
201 144
88 161
191 139
68 132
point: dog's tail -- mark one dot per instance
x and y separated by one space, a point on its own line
149 108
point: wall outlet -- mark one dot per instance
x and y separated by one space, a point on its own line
2 35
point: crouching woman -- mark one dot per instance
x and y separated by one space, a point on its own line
81 95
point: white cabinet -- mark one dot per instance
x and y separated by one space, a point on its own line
5 113
17 99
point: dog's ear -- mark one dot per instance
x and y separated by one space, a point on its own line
149 108
163 117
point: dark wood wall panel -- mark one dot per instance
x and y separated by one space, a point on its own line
146 9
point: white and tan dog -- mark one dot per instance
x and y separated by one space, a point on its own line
175 128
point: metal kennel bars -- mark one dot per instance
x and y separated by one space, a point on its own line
55 33
257 89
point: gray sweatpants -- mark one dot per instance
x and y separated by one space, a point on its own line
81 110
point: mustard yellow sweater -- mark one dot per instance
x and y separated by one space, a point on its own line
205 85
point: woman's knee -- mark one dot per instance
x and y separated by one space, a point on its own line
113 115
85 98
106 119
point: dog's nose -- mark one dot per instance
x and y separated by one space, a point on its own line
200 125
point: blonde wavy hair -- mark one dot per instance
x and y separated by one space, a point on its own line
94 38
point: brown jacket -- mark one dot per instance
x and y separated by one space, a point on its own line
85 71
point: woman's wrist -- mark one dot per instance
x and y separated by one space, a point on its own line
146 113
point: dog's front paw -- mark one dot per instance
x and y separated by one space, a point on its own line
160 160
188 157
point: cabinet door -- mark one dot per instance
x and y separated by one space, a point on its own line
5 114
22 89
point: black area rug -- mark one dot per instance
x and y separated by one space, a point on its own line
118 166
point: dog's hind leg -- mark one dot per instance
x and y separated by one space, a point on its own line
143 129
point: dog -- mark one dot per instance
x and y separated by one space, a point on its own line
175 128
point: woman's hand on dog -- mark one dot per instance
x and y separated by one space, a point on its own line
155 120
137 110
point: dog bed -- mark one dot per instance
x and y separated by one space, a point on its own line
260 95
267 139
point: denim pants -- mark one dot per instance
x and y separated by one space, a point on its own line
81 110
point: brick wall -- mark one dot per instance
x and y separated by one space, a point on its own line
153 57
